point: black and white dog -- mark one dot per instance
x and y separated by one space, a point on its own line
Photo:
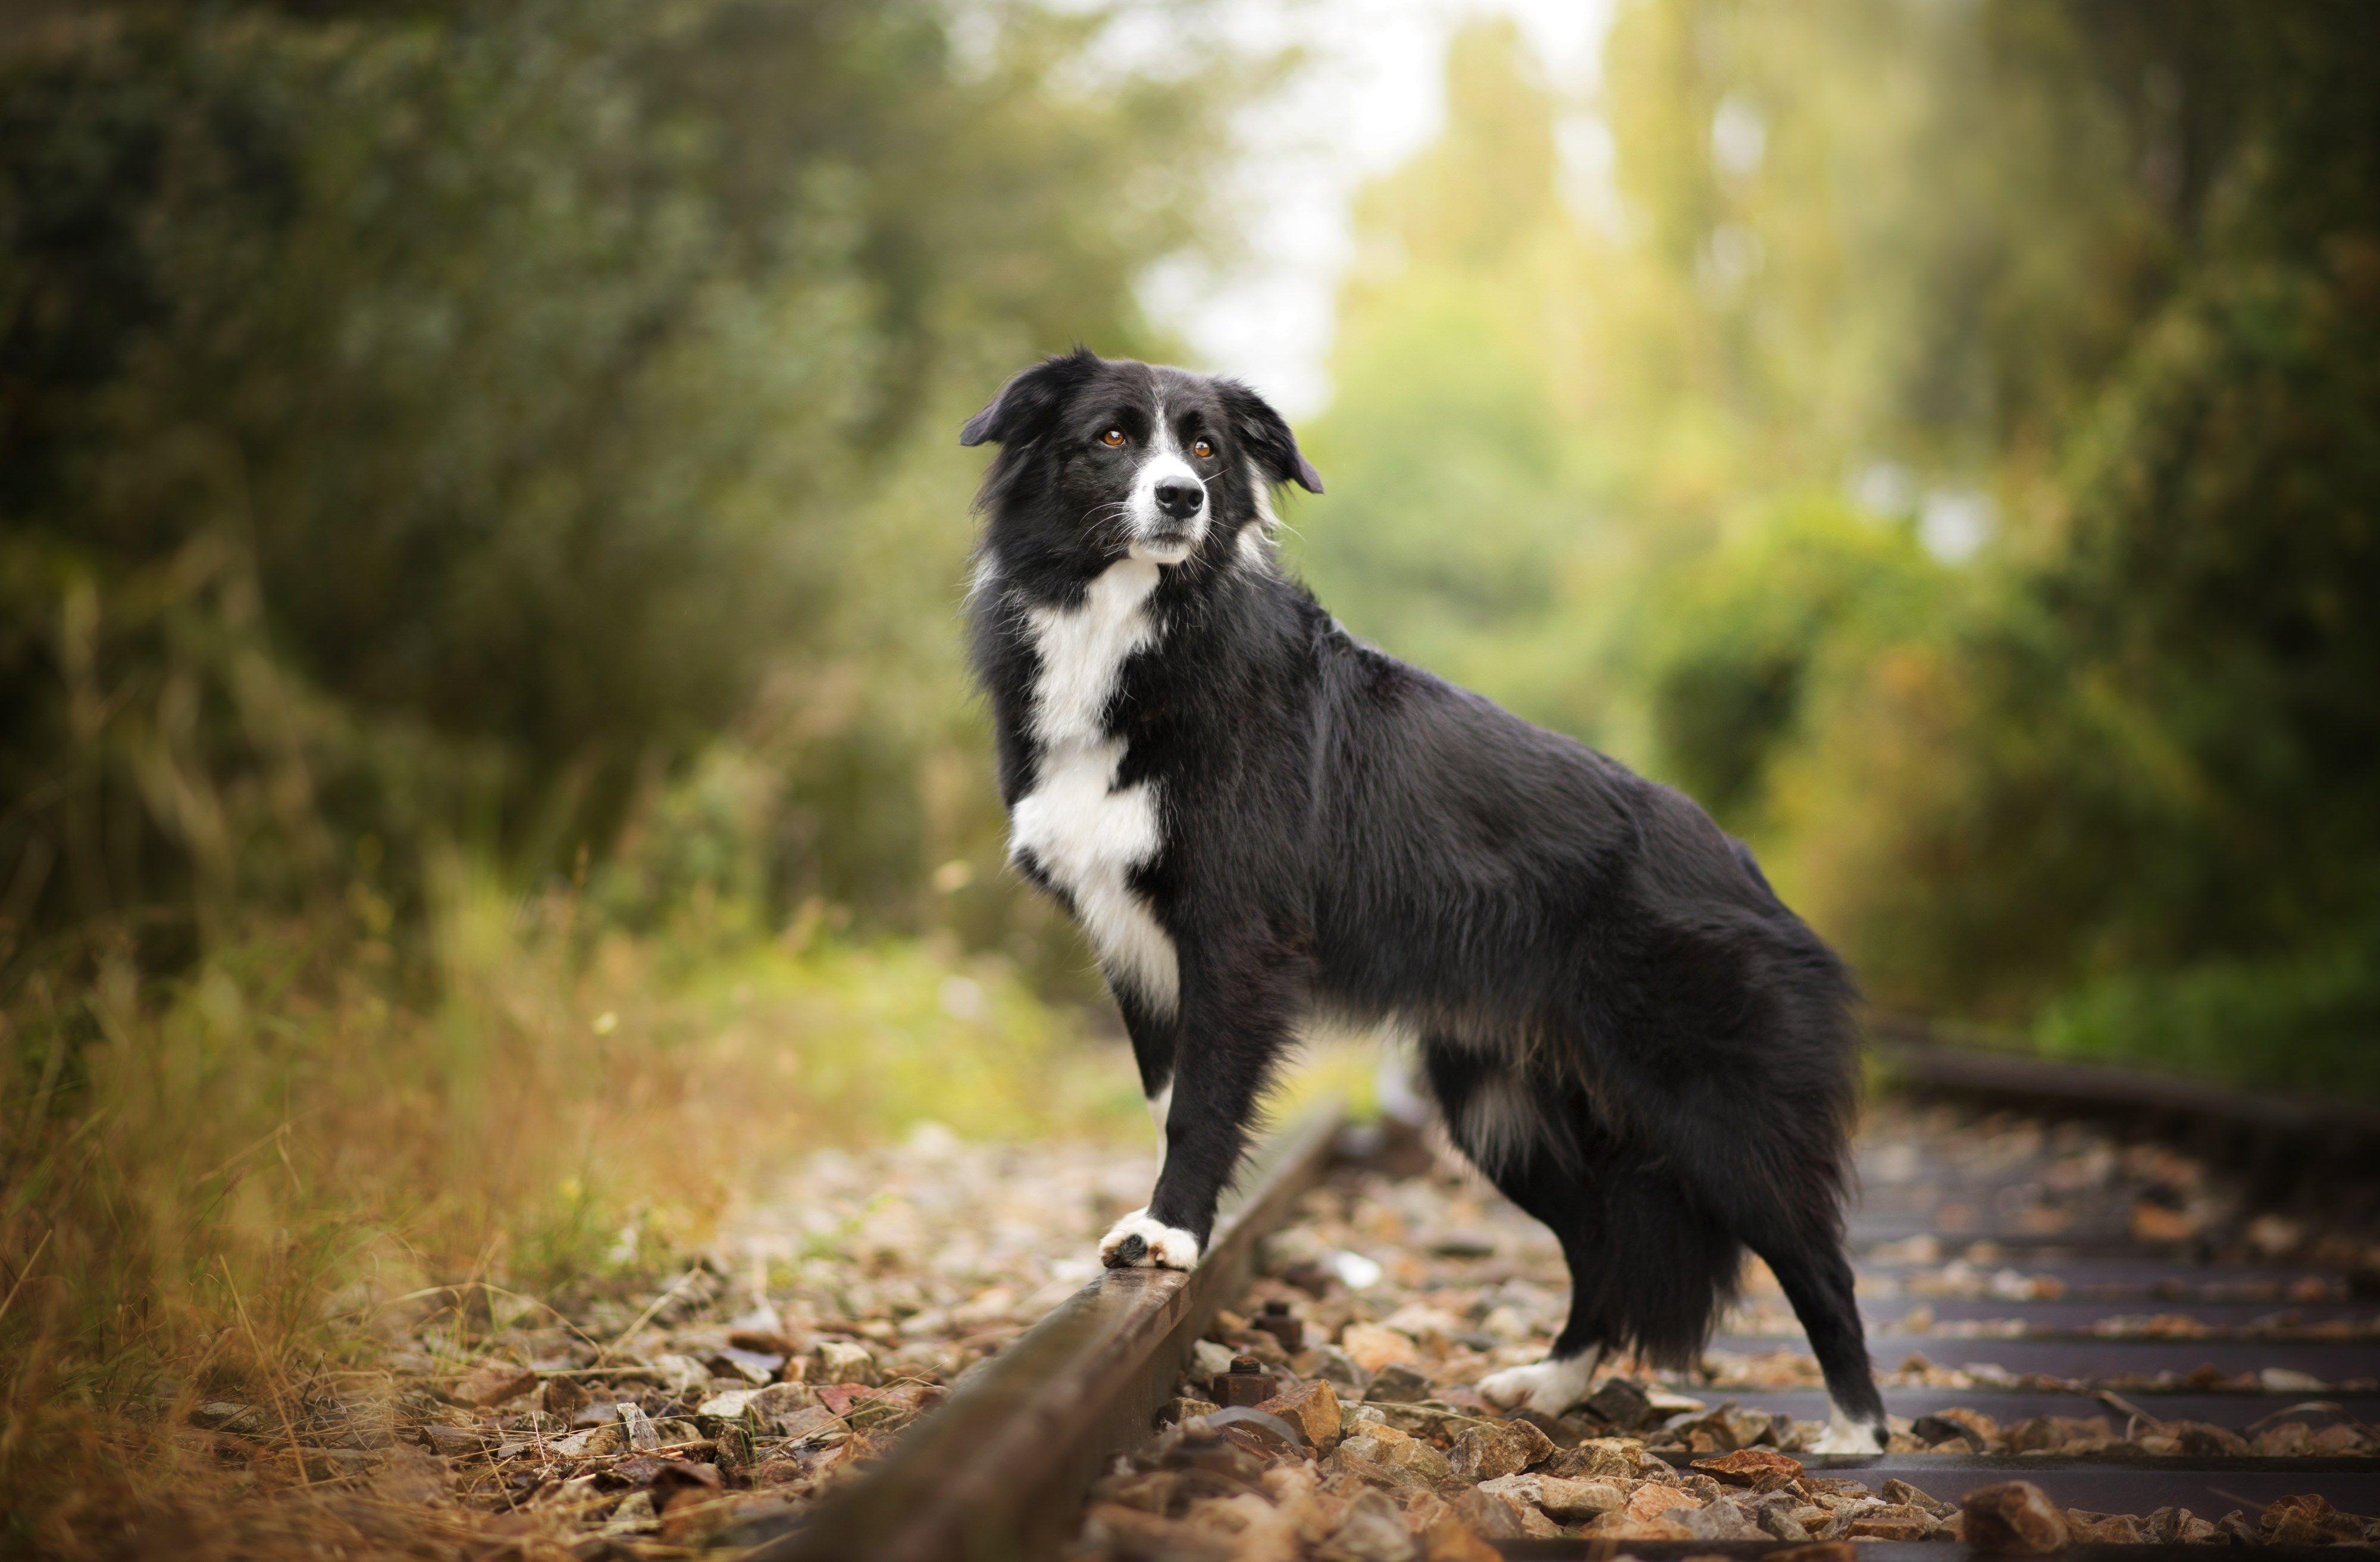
1256 817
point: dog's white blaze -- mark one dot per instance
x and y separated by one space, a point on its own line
1086 832
1083 649
1089 835
1163 464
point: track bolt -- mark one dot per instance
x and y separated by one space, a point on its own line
1246 1383
1278 1322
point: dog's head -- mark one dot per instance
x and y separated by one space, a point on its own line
1102 459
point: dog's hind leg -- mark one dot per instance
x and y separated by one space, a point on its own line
1790 1221
1651 1264
1773 1180
1503 1128
1817 1281
1567 1373
1650 1269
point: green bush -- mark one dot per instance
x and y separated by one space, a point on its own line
2303 1021
496 388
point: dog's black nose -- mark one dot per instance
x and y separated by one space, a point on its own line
1178 499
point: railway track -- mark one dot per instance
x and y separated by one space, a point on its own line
2060 1315
999 1471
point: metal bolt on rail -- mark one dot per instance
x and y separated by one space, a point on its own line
1278 1321
1246 1383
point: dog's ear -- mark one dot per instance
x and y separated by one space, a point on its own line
1265 434
1027 401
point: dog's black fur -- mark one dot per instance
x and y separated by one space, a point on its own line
1637 1041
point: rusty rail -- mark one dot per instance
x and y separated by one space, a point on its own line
2280 1139
997 1474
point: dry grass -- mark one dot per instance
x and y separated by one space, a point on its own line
212 1188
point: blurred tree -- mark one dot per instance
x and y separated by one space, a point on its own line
2156 735
1948 447
1455 505
436 419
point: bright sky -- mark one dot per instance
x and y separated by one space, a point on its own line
1369 94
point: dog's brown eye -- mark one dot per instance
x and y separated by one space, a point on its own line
1201 449
1112 438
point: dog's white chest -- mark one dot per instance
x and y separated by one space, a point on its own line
1084 832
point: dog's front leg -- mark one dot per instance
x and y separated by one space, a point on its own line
1152 1036
1233 1029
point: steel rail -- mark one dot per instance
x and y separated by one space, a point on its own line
2008 1406
998 1472
2289 1136
2108 1484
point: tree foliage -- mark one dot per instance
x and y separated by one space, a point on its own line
439 421
1944 437
1697 466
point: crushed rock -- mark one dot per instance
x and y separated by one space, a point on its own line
1457 1284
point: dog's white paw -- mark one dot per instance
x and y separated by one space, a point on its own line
1138 1242
1844 1435
1548 1387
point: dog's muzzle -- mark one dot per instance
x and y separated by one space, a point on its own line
1169 513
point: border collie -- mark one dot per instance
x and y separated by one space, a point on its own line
1256 817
